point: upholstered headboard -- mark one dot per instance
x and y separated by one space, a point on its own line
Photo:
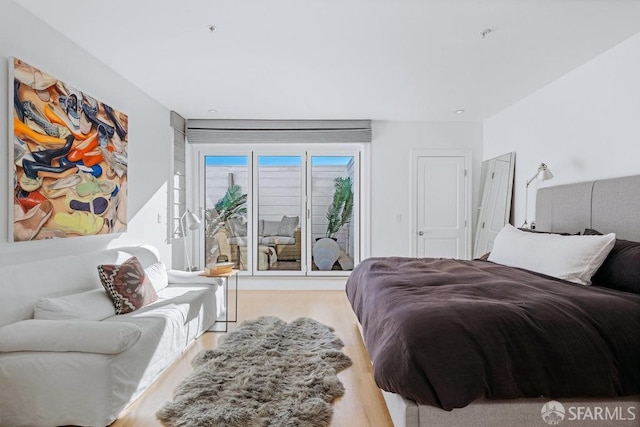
608 205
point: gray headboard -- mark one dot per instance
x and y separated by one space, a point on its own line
608 205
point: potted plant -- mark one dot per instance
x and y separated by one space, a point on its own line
232 205
326 250
339 211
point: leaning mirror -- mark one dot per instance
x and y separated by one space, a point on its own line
496 189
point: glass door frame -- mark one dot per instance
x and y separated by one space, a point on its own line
269 150
360 153
329 150
200 189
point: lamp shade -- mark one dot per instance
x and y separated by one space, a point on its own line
191 220
544 173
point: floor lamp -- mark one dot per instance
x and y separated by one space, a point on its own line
190 221
542 174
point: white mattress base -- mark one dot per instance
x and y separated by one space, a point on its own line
622 411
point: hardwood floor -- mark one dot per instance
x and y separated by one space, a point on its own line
361 406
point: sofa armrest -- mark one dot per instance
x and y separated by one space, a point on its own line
293 251
195 277
85 336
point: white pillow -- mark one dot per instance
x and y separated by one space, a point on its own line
89 305
572 258
157 275
84 336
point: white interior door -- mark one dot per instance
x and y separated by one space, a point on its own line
495 206
441 207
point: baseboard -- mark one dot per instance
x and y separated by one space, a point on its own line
289 283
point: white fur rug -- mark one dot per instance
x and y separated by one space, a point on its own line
265 373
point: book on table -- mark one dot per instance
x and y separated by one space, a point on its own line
219 268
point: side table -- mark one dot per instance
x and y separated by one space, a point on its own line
225 278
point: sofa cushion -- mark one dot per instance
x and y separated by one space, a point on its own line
90 305
277 240
84 336
127 285
270 228
288 225
157 275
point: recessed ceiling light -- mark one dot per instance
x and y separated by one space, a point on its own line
212 110
459 111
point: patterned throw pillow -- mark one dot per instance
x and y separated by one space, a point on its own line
127 285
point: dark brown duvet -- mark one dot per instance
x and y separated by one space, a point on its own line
446 332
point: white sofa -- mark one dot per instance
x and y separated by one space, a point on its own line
84 371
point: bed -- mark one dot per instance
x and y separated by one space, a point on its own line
475 342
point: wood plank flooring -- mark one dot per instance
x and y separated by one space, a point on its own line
361 406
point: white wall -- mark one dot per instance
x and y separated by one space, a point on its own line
26 37
584 126
390 174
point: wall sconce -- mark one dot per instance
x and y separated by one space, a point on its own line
190 221
542 174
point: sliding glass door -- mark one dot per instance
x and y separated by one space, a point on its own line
332 185
226 213
281 210
279 189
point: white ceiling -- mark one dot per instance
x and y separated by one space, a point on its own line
348 59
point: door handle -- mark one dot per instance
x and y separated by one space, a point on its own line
420 233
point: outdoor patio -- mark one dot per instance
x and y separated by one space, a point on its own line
280 241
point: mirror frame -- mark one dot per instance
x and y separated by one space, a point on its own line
488 167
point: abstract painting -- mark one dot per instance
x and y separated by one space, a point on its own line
69 159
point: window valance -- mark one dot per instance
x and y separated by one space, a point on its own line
277 131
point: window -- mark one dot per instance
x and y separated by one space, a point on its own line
280 192
287 209
226 181
178 201
332 215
